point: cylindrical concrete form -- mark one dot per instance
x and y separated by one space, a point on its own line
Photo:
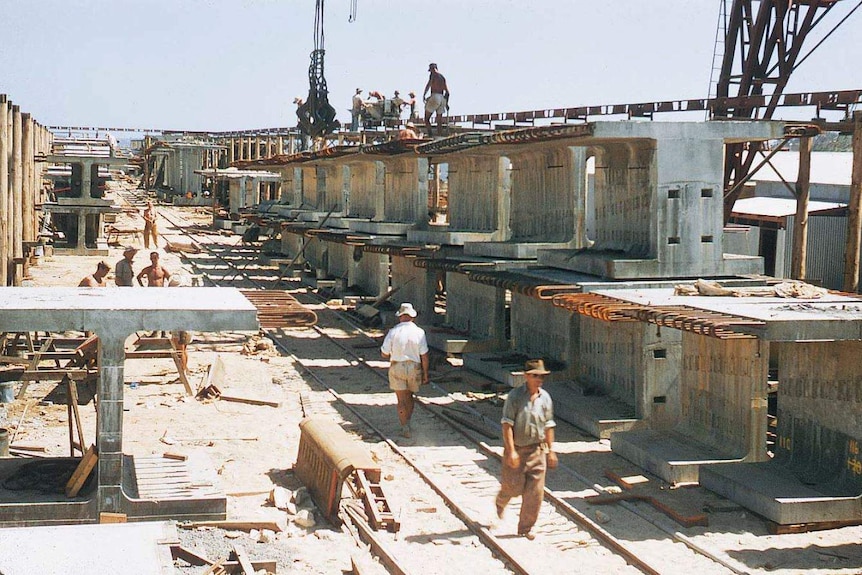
4 191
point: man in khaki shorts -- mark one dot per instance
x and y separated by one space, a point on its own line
406 349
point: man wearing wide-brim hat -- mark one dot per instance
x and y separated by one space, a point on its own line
124 275
528 441
406 348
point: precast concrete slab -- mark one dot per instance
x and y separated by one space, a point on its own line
448 237
834 316
130 548
671 455
381 228
598 415
612 265
776 493
511 249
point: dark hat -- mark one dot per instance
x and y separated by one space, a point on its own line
536 367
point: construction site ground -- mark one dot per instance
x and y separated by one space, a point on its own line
252 448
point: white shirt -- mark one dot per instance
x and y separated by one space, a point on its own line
357 103
405 342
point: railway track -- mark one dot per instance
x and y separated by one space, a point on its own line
452 468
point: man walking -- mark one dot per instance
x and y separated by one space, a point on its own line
437 102
528 440
406 349
124 275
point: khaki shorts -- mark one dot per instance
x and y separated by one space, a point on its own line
405 375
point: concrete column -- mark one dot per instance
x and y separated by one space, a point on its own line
17 195
109 426
256 154
82 232
4 191
29 207
280 146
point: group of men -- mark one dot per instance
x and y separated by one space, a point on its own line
155 274
527 422
435 96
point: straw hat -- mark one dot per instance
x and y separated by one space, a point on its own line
535 367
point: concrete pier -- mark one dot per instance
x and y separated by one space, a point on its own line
113 317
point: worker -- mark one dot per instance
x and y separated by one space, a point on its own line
97 279
406 348
412 103
124 275
438 100
408 132
151 227
180 339
156 274
356 110
528 441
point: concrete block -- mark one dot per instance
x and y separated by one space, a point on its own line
775 492
668 454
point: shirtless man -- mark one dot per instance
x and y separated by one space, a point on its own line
437 102
151 226
156 275
408 132
98 278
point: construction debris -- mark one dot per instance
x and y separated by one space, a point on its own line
789 289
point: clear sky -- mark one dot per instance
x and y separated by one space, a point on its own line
238 64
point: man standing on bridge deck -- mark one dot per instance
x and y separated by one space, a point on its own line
438 101
406 348
528 440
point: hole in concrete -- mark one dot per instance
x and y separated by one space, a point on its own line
673 194
659 399
659 353
706 192
673 240
706 239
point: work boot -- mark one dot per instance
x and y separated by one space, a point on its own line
528 535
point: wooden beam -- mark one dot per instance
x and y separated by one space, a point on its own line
800 223
82 472
854 221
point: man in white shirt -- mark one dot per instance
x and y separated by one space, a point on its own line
406 349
